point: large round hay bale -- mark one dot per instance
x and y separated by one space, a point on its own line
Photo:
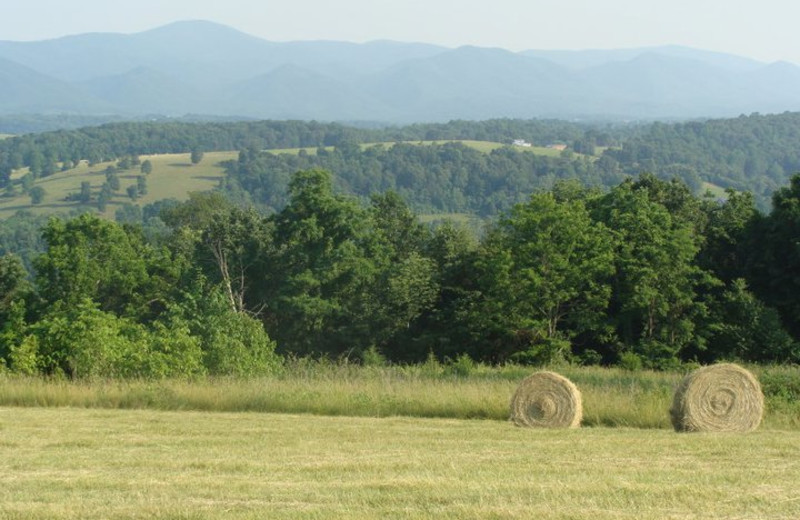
718 398
547 400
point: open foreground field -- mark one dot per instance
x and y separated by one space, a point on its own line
83 463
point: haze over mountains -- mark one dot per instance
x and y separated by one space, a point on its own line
206 68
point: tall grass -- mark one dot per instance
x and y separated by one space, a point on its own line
461 390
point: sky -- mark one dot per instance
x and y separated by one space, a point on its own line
765 30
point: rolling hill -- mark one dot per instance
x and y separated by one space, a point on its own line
200 67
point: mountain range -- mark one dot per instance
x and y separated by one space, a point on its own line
199 67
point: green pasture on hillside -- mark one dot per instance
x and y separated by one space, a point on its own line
481 146
104 464
718 192
173 176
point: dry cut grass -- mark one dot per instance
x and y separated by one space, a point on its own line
92 464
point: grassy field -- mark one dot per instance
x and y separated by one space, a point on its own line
717 191
173 176
611 397
481 146
78 463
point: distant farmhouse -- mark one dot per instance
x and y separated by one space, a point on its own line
522 142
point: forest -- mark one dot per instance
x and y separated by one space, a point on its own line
755 153
642 274
608 253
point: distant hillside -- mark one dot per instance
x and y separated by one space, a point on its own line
24 90
206 68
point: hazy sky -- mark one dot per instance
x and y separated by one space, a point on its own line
764 29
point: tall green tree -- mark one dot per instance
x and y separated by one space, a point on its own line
89 258
545 272
196 155
37 194
655 305
775 243
321 270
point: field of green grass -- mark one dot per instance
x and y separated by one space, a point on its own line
337 440
611 397
101 464
717 191
481 146
173 176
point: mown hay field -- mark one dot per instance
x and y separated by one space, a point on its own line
610 396
88 463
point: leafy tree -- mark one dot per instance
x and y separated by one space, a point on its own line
321 269
196 155
746 329
112 179
776 256
85 195
726 250
129 214
82 341
104 197
232 342
545 272
141 185
15 290
124 163
654 303
27 182
37 194
232 246
397 224
146 167
91 259
14 283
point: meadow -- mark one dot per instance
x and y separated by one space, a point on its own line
481 146
612 397
173 176
326 439
82 463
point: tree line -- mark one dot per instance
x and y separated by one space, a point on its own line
47 152
755 153
433 178
645 274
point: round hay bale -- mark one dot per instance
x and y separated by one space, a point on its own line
718 398
546 400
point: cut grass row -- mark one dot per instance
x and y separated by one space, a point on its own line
611 397
91 464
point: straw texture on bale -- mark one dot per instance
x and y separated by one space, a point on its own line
718 398
547 400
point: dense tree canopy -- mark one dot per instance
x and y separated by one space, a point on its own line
644 274
323 253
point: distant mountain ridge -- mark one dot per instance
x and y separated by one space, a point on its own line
199 67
